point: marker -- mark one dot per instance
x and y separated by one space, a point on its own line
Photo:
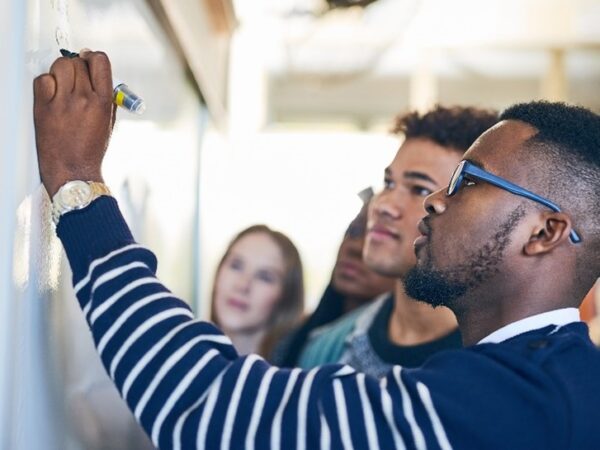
122 95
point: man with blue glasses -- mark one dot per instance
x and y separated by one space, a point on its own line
512 246
466 170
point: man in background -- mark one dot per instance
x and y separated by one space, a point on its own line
396 330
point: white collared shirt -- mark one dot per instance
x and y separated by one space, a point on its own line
558 317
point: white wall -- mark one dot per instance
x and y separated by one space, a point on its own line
303 182
54 393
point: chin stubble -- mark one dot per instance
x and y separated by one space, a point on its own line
444 287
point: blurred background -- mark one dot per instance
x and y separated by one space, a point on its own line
259 111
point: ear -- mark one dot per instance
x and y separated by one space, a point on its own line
552 230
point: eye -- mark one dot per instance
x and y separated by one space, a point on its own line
467 181
236 264
420 191
266 276
355 230
388 183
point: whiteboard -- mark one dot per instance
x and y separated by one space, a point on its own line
54 393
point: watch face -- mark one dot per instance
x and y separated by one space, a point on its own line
76 194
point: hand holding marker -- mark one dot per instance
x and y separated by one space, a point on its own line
122 95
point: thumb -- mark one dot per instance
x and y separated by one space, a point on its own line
44 89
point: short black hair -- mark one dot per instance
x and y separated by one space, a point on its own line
567 144
574 129
455 127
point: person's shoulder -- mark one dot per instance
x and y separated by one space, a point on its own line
338 328
568 345
369 312
325 344
547 341
550 346
346 324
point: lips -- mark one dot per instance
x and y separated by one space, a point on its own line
420 242
381 231
237 304
425 230
349 268
423 227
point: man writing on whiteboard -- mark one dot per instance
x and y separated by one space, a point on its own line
511 246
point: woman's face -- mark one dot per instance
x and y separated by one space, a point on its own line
352 277
249 284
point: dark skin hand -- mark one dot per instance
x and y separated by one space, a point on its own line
74 116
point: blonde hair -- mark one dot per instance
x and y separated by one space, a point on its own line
288 310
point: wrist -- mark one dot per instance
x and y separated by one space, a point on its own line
54 183
76 195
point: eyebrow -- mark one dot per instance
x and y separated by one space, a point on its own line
265 267
419 176
413 174
273 270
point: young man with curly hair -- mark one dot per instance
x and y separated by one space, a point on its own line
395 329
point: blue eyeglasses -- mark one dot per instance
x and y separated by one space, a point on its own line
465 168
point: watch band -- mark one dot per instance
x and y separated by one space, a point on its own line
99 189
75 195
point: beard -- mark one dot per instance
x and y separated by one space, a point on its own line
444 287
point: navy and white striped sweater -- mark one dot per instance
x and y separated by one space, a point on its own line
189 389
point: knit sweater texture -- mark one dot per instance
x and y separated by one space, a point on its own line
189 389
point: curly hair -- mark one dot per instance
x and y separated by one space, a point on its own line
455 127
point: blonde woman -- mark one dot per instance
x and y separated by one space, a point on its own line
258 293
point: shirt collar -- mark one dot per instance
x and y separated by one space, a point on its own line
557 317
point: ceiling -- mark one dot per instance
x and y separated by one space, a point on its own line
363 64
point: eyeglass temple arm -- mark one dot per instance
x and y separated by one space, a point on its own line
517 190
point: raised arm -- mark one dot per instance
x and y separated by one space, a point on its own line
181 377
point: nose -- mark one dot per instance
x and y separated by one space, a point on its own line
435 203
243 282
352 247
387 205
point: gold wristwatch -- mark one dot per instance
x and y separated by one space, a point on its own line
75 195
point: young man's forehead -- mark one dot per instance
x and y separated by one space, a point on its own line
499 147
424 160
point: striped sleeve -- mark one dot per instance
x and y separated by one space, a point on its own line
187 386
